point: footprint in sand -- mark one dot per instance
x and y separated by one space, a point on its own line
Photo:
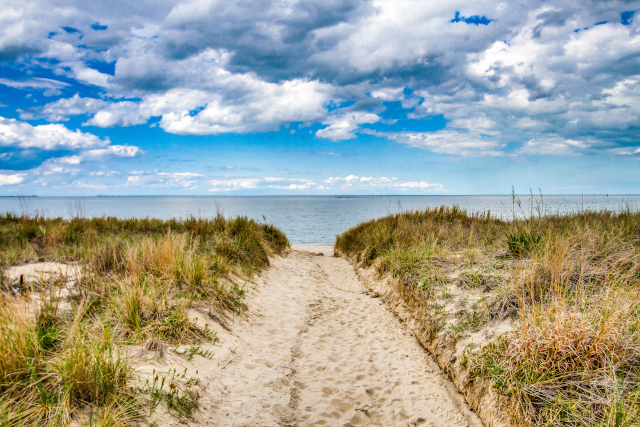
327 354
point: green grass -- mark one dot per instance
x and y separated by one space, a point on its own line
570 282
138 278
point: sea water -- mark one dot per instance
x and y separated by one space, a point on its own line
307 219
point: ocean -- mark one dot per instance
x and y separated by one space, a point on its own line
305 219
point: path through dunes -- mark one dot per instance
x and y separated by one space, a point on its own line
318 351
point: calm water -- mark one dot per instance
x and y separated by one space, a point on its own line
305 219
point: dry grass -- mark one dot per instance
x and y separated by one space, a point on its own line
62 340
570 282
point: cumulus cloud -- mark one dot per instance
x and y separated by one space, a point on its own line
343 126
555 78
220 102
14 133
11 179
62 109
55 141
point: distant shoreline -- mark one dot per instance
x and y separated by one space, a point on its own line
335 196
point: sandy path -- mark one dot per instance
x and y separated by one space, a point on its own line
316 350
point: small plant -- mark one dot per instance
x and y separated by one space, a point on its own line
190 352
177 327
473 320
275 235
432 278
523 243
456 331
178 391
464 361
472 279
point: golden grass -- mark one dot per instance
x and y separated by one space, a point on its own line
570 281
137 279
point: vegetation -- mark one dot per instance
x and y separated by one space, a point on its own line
63 338
570 284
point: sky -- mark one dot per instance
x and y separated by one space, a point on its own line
208 97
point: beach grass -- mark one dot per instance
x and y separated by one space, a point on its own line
569 285
64 337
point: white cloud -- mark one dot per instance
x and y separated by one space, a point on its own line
52 138
233 184
72 63
450 142
347 179
125 113
224 102
14 133
183 180
11 179
51 87
263 106
537 71
343 126
554 146
61 109
480 123
367 182
389 94
113 151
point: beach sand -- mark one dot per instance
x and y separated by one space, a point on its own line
314 348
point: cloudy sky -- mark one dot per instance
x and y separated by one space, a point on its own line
319 97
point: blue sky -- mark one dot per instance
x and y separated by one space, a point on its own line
309 97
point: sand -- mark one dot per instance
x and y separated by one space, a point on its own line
38 269
314 348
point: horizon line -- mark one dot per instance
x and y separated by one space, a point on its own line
319 195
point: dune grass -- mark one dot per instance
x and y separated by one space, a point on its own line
63 339
569 282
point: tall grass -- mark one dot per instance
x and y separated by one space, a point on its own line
572 282
136 280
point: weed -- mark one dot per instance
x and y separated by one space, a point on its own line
464 361
190 352
523 243
176 327
472 279
178 391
